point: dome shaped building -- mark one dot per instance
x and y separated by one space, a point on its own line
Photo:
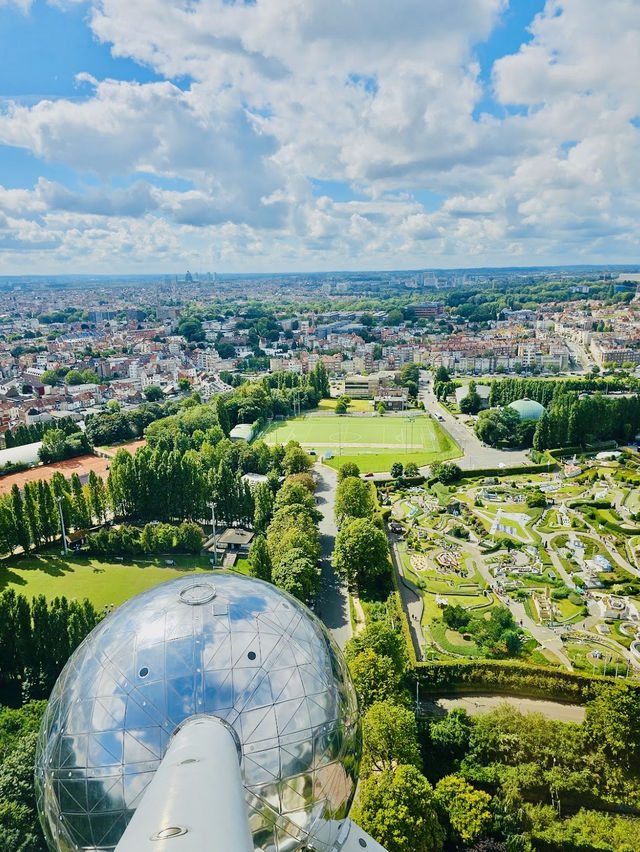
232 647
528 409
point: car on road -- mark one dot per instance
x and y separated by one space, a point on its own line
369 474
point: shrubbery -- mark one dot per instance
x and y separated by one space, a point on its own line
153 538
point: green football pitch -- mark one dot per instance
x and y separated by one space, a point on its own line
373 442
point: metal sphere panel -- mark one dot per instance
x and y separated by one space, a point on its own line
233 647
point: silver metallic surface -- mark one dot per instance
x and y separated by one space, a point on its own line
196 797
249 654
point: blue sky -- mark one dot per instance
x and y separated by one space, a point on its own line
141 135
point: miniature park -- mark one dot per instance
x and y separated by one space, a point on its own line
557 549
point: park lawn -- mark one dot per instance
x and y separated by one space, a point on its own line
441 633
632 501
104 582
578 651
567 609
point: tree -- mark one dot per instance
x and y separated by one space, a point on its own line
222 415
259 559
47 512
498 425
19 519
536 499
189 537
53 445
450 736
446 473
612 722
97 497
184 384
381 407
466 809
304 479
411 469
296 460
348 469
375 678
541 434
390 737
471 403
81 516
395 317
397 809
153 393
396 470
442 375
19 828
319 380
263 503
191 329
73 377
353 500
379 636
32 514
296 574
295 494
341 407
49 377
361 553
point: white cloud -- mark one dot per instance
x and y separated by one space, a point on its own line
365 93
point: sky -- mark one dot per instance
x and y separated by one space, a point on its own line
313 135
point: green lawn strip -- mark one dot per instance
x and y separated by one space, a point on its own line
370 461
439 632
103 582
530 609
567 609
354 405
619 636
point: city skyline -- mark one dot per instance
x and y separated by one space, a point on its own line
248 137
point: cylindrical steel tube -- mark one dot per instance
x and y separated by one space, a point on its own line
195 801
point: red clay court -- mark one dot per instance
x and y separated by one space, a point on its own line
80 465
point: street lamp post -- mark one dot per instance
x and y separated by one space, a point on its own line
212 506
64 534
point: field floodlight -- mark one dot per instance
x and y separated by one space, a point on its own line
202 718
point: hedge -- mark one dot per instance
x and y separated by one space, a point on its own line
588 450
508 471
13 467
510 678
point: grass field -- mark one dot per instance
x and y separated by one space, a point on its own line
354 405
103 582
373 442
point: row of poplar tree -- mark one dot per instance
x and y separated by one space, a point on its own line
31 518
151 485
37 638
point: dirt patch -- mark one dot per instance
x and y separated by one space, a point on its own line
80 465
478 704
131 447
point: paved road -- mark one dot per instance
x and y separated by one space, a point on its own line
333 602
476 455
412 601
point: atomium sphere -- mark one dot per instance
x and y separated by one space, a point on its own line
229 646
